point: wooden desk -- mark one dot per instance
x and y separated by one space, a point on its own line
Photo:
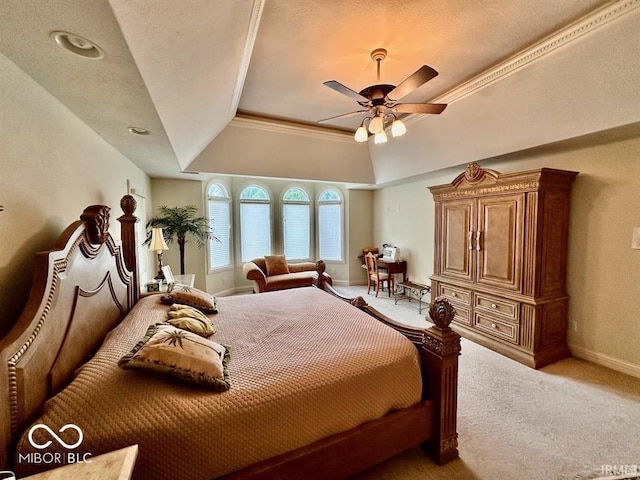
393 268
116 465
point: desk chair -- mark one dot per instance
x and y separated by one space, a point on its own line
375 277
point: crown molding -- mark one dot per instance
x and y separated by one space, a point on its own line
536 52
290 128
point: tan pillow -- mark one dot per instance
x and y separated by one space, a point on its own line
190 318
276 265
181 354
187 295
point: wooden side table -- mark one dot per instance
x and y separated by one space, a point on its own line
116 465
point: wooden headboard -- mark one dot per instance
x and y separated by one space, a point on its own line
82 288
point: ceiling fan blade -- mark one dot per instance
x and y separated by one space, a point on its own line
434 108
419 77
340 88
344 115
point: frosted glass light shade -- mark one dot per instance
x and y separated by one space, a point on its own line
376 125
397 128
361 134
380 137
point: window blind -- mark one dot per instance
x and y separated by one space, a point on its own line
330 231
220 222
296 231
255 230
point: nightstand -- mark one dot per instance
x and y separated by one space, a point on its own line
187 279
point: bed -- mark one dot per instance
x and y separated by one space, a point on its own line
321 387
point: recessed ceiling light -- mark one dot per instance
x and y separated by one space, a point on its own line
78 45
139 130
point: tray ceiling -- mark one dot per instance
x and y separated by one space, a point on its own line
183 71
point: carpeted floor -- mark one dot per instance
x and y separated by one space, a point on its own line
571 420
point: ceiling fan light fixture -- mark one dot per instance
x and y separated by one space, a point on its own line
376 125
383 100
380 138
398 128
361 135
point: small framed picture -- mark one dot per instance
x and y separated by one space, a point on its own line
168 274
153 287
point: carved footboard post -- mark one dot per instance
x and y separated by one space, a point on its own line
321 280
439 355
128 238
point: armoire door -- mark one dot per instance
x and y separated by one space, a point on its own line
499 241
458 221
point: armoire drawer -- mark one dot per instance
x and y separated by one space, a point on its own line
497 306
463 315
455 294
499 328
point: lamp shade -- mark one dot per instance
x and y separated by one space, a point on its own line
157 240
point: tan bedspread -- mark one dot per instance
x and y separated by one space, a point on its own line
304 365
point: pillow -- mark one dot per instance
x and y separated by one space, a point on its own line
189 318
187 295
181 354
276 265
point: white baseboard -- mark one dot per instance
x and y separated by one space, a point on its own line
348 283
606 361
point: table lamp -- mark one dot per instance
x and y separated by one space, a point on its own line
158 245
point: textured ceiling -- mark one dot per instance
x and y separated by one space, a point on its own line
302 44
183 69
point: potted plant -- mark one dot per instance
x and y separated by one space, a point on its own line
177 223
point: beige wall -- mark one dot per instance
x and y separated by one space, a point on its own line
603 271
286 153
53 166
360 232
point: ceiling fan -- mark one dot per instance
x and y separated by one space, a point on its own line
381 101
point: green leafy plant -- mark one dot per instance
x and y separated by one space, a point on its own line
177 223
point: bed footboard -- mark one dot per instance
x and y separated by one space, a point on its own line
439 348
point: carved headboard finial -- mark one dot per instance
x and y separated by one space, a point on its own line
441 312
128 204
96 218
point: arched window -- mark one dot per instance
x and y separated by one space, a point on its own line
330 225
296 224
255 223
219 205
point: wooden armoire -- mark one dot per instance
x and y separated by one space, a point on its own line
500 259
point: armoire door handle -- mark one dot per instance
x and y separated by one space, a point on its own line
478 233
470 240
